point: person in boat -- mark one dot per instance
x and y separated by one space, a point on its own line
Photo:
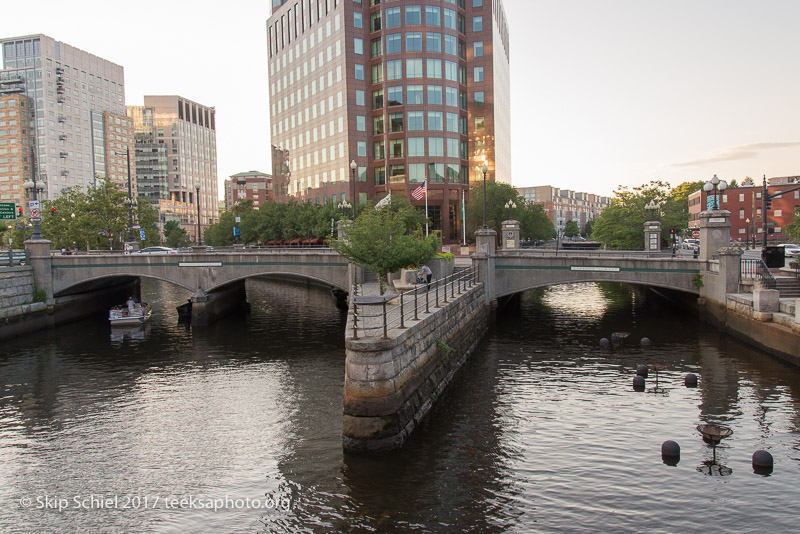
131 303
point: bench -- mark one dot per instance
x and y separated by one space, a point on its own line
407 280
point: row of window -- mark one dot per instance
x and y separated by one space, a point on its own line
433 43
437 95
475 3
393 70
438 121
456 148
415 173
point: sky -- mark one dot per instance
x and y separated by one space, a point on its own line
604 93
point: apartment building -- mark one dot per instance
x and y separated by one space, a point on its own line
564 205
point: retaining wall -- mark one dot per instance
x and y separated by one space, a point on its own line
391 384
18 312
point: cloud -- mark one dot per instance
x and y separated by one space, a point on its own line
738 153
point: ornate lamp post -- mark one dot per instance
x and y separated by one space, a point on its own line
353 167
714 184
654 208
344 205
747 234
199 236
484 169
237 232
131 202
510 205
34 189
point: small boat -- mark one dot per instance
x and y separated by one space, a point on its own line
133 313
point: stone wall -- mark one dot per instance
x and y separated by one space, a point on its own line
16 302
391 384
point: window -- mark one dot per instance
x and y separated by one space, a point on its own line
414 42
477 74
413 15
416 120
434 68
395 122
362 177
449 16
432 16
414 94
477 24
435 121
452 173
478 98
479 123
392 17
452 148
377 99
375 21
464 150
358 20
451 71
451 96
741 197
377 125
394 69
416 147
377 73
413 68
378 150
777 213
359 71
435 95
462 74
393 43
397 174
358 45
477 49
436 172
380 175
450 44
477 3
359 97
361 123
376 47
395 95
396 148
433 42
452 122
361 149
416 172
435 147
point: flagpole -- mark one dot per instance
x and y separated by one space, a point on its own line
463 220
426 208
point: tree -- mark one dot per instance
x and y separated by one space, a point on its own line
589 227
382 241
571 229
793 228
534 222
174 235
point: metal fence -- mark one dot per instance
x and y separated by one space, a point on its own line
756 269
10 258
409 304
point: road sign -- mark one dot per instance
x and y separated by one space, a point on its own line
711 201
34 213
33 204
695 234
141 234
771 224
8 211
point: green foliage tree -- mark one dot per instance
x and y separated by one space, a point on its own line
571 229
589 227
621 224
534 222
382 240
175 236
147 218
793 228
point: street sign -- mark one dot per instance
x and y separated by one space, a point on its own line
8 211
141 234
771 224
711 201
34 213
33 204
695 234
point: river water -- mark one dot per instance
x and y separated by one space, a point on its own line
236 428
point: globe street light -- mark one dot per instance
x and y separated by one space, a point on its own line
485 169
715 184
747 234
34 188
199 236
353 167
653 207
510 206
344 205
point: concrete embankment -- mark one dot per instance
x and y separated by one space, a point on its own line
392 384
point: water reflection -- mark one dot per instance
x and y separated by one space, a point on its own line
541 431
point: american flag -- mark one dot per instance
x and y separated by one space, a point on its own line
419 192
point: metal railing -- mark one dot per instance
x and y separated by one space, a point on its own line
756 269
10 258
437 294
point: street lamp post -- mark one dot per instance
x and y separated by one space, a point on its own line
510 205
353 167
34 188
236 219
131 202
747 234
199 236
714 184
344 205
485 169
653 207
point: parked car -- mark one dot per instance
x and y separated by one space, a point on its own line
790 250
690 243
158 250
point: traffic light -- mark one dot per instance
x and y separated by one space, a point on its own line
53 211
768 201
19 211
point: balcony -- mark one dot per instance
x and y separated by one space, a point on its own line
65 172
61 99
62 118
63 154
62 137
59 70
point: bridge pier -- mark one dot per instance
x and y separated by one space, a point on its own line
210 307
42 263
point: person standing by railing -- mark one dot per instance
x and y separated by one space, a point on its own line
426 274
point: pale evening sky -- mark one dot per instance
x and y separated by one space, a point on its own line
604 92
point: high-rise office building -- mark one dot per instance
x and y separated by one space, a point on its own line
75 120
411 92
185 132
